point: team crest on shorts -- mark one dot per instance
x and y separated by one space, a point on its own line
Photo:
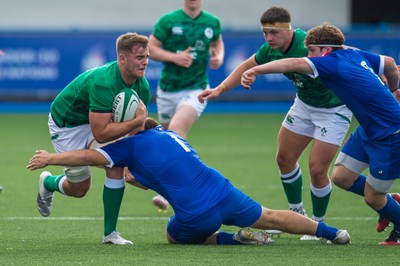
289 120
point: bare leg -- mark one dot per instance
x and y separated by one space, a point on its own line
290 148
183 120
286 221
321 157
77 190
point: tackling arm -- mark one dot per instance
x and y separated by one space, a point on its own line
391 73
299 65
71 158
232 81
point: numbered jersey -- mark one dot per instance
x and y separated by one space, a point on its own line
354 77
166 163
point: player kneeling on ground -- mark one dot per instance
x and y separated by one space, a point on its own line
203 200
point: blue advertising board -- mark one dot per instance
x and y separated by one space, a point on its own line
37 65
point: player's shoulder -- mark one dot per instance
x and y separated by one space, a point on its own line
300 32
174 14
105 74
105 70
209 15
297 48
142 84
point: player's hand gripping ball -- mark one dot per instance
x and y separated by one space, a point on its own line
125 105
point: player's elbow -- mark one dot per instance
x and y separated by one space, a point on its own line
390 65
101 138
390 60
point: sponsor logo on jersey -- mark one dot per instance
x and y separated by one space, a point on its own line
177 30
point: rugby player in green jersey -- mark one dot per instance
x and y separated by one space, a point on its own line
81 118
317 117
185 40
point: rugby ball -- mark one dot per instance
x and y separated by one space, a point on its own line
125 105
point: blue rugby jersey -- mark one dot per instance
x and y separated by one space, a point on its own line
353 76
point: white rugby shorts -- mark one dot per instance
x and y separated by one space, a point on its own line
168 102
329 125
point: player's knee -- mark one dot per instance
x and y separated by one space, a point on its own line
371 202
318 172
78 179
267 219
170 239
284 162
81 191
279 159
319 176
375 201
340 180
272 218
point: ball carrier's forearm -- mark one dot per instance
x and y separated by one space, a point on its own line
233 80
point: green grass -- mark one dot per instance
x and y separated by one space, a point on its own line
241 146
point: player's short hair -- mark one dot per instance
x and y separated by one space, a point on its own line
127 41
325 34
275 14
150 123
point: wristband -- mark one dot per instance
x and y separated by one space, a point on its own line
224 87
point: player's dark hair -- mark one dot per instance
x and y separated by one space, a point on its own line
274 15
150 123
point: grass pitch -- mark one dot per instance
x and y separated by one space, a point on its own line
241 146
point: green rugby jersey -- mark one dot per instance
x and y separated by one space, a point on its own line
177 31
93 91
310 91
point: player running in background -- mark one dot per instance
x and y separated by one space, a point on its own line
317 117
80 118
184 40
202 198
354 77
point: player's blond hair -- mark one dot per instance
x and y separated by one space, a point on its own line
324 34
127 41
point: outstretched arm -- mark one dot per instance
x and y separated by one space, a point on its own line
71 158
232 81
391 73
299 65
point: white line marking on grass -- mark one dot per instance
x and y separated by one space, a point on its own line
148 218
80 218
